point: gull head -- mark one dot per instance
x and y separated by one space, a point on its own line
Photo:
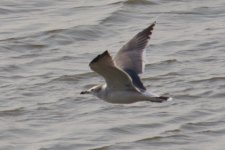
95 90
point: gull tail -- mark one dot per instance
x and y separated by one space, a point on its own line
161 99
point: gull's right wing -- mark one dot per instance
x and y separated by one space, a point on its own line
130 56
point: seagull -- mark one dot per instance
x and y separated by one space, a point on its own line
121 73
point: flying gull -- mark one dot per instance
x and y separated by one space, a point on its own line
123 84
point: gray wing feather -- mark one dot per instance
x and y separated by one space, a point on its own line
136 80
114 76
130 56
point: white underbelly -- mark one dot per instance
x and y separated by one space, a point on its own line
125 97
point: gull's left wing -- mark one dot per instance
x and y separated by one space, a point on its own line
114 77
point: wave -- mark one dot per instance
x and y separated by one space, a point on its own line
168 61
75 78
212 79
12 112
139 2
5 11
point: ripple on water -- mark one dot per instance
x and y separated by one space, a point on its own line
139 2
12 112
45 49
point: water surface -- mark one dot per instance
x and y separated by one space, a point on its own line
45 48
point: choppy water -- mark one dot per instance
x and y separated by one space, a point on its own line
45 48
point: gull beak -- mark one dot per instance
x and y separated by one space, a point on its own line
84 92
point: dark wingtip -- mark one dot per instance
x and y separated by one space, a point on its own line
105 53
153 24
148 31
84 92
151 27
99 56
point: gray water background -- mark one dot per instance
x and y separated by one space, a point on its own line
45 48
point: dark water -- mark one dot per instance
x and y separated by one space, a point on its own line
45 48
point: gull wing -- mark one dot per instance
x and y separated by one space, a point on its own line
114 77
130 56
